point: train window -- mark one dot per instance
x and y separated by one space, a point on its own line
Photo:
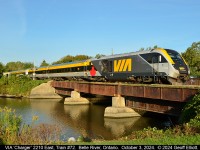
175 57
153 58
81 68
74 69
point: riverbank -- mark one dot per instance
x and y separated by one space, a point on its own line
10 96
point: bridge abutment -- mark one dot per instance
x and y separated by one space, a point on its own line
75 99
119 110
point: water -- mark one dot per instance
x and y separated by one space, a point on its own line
79 120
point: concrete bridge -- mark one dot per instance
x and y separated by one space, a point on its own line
168 99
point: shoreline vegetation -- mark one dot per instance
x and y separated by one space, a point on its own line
13 131
18 87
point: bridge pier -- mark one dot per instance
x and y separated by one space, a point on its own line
75 99
119 110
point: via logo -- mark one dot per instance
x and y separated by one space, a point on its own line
123 65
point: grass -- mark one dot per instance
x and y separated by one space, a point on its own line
179 140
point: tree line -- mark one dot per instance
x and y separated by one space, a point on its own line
191 55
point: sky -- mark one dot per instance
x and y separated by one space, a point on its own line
37 30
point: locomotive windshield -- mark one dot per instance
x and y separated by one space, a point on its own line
175 57
179 62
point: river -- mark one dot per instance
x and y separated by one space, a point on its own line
80 120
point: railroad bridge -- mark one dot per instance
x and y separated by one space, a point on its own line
168 99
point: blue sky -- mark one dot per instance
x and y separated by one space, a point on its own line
37 30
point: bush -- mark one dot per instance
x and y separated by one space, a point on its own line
19 86
13 132
191 110
9 124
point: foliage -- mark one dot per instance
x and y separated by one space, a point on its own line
195 122
165 140
192 57
70 58
148 48
38 134
44 63
12 66
99 56
13 132
1 69
191 110
19 86
9 124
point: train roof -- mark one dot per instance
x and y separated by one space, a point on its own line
61 64
132 53
125 54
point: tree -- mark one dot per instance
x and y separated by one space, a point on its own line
148 48
44 63
65 59
70 58
12 66
28 65
141 49
1 69
192 57
81 57
99 56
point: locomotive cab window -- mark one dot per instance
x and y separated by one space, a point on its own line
175 57
154 58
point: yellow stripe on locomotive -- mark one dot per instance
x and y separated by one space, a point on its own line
166 55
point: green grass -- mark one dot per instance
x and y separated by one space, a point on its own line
179 140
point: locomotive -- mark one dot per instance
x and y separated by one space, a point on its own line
151 66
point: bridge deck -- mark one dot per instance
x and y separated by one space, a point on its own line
167 99
163 92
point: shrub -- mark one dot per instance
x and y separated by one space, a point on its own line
191 110
9 124
19 86
13 132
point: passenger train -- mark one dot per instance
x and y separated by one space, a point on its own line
151 66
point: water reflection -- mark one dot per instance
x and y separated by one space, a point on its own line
76 120
119 126
77 111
